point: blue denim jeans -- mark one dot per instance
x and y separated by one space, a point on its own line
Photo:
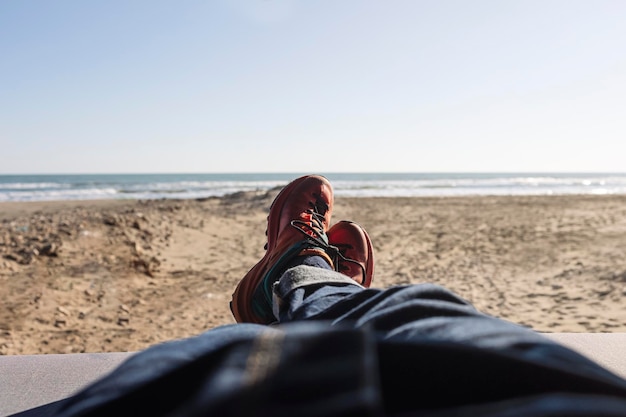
338 349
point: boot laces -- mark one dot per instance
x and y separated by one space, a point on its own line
313 227
314 231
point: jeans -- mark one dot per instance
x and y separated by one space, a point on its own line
338 349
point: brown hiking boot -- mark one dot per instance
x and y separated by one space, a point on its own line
296 226
356 256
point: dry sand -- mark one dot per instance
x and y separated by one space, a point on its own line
103 276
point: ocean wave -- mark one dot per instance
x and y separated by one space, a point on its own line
53 195
32 186
47 188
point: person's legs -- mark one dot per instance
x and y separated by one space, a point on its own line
399 351
339 348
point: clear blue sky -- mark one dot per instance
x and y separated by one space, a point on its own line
312 86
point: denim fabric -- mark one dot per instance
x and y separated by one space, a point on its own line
339 349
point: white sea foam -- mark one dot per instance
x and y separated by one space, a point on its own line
54 195
32 186
481 185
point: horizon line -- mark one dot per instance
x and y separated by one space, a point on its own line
301 172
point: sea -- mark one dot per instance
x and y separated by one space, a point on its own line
191 186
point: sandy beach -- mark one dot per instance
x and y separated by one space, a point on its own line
120 275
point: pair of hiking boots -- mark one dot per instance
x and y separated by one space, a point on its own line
298 225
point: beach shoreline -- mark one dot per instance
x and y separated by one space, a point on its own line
121 275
